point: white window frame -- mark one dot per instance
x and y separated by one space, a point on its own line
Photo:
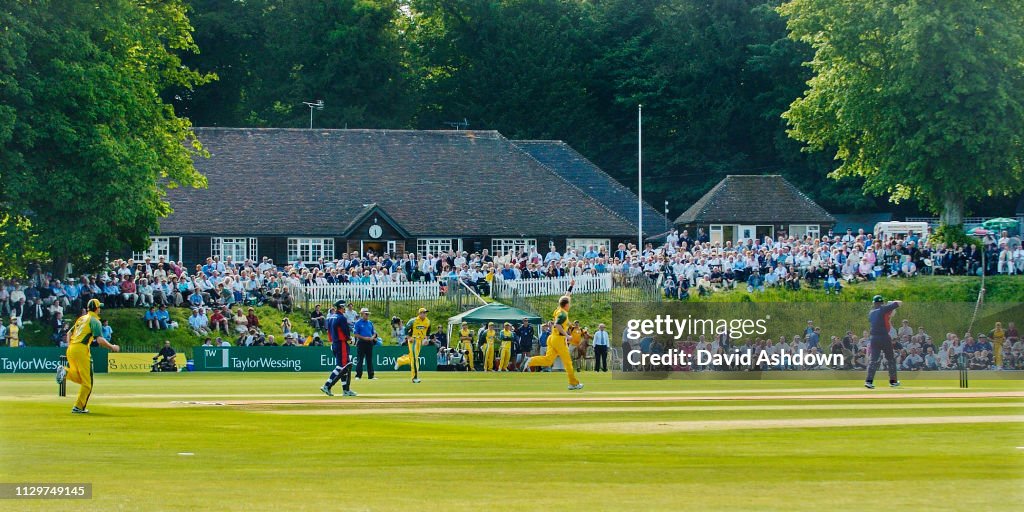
805 229
235 242
582 244
433 245
516 245
159 246
716 233
310 249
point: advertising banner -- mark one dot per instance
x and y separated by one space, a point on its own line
121 362
296 359
43 359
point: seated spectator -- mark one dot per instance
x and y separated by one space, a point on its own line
199 323
195 299
218 321
833 283
129 295
755 281
163 317
251 319
207 342
241 322
317 319
149 317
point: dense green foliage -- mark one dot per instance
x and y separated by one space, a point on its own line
714 78
88 144
924 99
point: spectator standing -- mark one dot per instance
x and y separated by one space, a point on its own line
601 346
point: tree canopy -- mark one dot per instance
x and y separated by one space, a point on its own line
923 99
88 144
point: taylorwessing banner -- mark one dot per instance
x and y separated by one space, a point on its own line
43 359
296 359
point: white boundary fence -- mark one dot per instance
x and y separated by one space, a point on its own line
550 286
361 293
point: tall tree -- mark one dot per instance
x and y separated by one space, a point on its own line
88 145
924 99
275 54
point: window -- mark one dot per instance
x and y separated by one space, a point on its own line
583 245
309 250
513 245
433 245
722 233
234 248
159 247
800 230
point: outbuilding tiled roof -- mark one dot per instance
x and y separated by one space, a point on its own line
743 199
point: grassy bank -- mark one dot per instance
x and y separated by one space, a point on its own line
133 335
592 309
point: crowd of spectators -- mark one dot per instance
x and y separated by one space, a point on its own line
688 264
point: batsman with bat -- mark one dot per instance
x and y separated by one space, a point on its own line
880 319
339 332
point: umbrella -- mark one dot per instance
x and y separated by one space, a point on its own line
1000 223
978 231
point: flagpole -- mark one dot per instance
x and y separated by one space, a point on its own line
640 179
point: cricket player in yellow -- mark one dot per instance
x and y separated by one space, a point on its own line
416 330
557 345
13 333
86 330
489 338
506 336
466 338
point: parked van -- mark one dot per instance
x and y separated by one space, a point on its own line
886 230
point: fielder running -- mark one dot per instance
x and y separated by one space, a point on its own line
86 330
557 345
339 332
880 319
417 328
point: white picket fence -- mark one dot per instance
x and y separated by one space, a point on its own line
325 294
551 286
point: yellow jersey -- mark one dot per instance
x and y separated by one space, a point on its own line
418 329
490 337
12 336
505 337
466 336
559 317
86 328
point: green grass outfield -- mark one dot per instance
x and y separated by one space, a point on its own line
483 442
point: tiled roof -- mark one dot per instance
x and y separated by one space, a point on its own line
742 199
317 182
576 169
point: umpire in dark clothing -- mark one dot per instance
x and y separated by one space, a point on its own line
880 319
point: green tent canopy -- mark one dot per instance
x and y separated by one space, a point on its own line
497 313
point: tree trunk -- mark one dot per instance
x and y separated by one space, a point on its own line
952 209
60 266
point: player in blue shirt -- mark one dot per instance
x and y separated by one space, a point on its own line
339 333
